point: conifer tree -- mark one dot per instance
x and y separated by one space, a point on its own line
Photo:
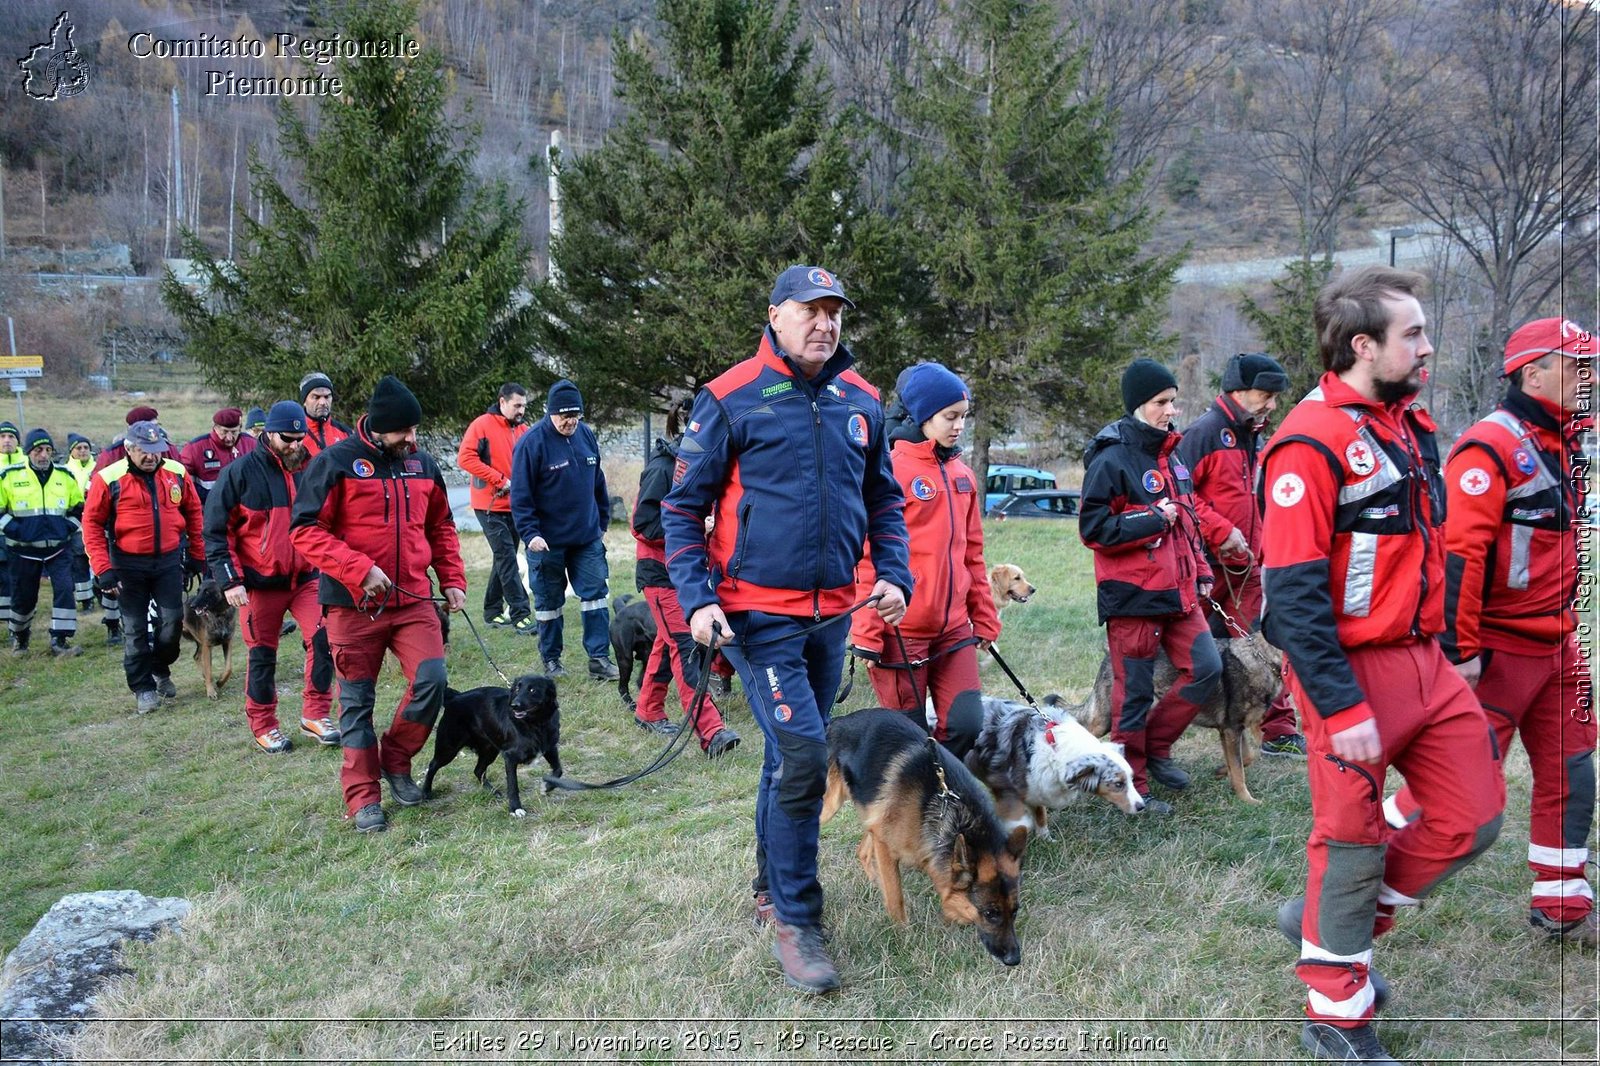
387 256
726 170
1033 253
1286 322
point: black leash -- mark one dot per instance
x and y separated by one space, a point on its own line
1026 695
482 645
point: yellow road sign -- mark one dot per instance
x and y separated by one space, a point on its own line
21 362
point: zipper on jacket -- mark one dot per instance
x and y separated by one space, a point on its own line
950 552
742 534
822 510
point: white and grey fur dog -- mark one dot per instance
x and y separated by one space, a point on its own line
1035 761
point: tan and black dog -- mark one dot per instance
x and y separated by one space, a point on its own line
208 620
920 807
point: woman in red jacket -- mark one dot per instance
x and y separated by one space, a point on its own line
951 614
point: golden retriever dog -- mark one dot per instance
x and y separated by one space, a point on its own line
1009 585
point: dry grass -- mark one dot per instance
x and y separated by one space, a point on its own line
625 914
102 416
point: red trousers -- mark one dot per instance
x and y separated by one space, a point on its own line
673 640
1144 727
950 677
262 622
1240 598
1433 731
358 643
1547 700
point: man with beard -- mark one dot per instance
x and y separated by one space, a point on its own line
316 396
485 454
1354 555
206 457
251 556
372 514
39 505
136 511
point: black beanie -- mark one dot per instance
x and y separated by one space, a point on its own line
1254 370
1143 379
564 399
392 407
314 380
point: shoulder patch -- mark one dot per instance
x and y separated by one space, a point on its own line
1360 458
923 487
858 430
1228 439
1525 461
1475 482
1288 490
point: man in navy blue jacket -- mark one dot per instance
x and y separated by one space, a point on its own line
788 449
561 509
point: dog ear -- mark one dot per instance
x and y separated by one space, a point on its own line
961 875
1017 842
1085 776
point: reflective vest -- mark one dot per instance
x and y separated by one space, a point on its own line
38 517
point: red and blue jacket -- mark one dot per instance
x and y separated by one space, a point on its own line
247 525
797 472
1220 449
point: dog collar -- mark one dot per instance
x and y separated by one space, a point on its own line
1050 734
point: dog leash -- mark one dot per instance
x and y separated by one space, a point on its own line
1026 695
482 645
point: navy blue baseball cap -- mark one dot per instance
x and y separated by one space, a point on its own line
803 284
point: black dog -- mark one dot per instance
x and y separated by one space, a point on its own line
208 620
633 632
517 724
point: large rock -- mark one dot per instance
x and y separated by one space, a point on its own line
60 965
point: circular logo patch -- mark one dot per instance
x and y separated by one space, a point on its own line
1153 481
922 488
175 493
1523 460
1475 482
363 468
818 276
858 429
1288 490
782 712
1360 458
1228 439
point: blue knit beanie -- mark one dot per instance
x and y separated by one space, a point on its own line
564 399
928 388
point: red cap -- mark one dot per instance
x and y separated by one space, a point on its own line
227 417
142 414
1544 336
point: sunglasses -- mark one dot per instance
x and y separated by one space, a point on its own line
292 438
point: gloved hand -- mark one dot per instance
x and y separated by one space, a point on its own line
107 582
193 567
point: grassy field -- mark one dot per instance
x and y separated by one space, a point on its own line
102 416
607 922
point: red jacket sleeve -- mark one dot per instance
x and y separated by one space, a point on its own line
468 459
193 519
96 513
441 526
311 532
1214 528
1471 525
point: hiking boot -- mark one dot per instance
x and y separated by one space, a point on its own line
289 626
113 636
1292 746
404 791
62 650
1166 772
528 626
322 730
602 669
371 819
145 702
1585 930
167 689
85 605
765 914
499 621
719 687
1290 916
722 742
660 725
273 742
19 644
553 668
1338 1044
798 949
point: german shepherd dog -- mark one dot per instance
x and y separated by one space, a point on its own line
208 620
1251 676
919 806
515 724
633 633
1035 762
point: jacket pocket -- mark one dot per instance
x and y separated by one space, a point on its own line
741 540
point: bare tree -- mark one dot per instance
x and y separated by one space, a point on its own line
1333 90
1509 179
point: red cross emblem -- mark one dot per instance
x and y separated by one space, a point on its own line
1359 456
1475 482
1288 490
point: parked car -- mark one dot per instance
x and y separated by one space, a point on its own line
1005 479
1037 503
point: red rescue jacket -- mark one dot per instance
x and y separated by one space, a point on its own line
358 508
1511 573
1352 545
324 434
1220 451
206 458
247 525
131 518
485 454
944 517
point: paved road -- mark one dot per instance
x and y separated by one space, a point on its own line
466 521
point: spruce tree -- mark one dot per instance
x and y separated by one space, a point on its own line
387 256
1287 322
726 169
1033 253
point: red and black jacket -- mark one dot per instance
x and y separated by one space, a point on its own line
655 480
485 453
1511 568
207 457
322 434
1220 451
1352 544
357 508
247 525
138 520
1142 565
